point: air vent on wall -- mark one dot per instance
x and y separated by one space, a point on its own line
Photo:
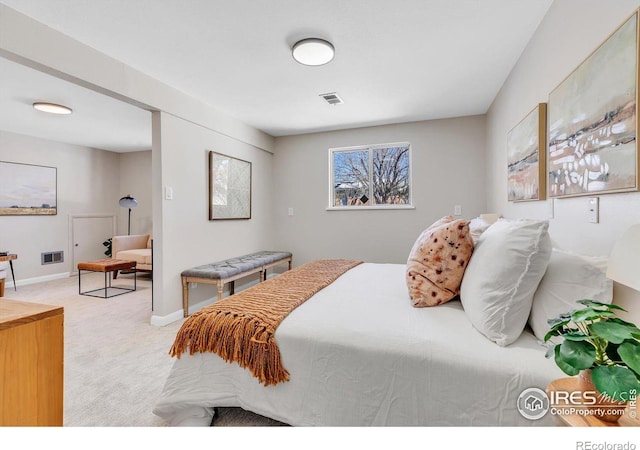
332 98
51 257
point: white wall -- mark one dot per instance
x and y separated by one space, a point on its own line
88 182
569 33
183 233
571 30
31 43
135 180
448 170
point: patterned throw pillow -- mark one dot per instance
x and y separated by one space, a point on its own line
437 262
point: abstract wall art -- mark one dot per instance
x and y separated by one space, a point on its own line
229 187
526 150
593 120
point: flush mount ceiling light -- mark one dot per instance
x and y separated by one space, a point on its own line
52 108
313 51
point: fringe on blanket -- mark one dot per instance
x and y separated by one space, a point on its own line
241 328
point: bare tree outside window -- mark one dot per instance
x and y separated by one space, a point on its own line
351 178
391 175
371 176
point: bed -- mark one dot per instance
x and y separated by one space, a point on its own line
451 338
360 354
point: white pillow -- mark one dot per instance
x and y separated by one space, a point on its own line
569 277
507 264
477 226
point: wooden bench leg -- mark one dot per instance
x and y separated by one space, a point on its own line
220 289
232 287
290 262
2 287
185 296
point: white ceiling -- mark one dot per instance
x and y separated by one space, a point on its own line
396 61
97 121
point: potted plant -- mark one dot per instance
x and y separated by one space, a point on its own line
601 348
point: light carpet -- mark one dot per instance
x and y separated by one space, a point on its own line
115 361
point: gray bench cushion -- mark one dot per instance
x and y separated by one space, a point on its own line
234 266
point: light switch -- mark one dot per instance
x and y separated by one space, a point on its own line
594 210
457 210
168 193
290 212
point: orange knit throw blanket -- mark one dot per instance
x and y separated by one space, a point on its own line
241 327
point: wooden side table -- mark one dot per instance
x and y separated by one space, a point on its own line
106 266
571 384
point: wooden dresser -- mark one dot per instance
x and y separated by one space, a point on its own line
31 364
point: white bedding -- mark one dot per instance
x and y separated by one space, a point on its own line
360 354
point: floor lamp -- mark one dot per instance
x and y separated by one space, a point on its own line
128 202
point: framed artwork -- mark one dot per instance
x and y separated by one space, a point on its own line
526 150
229 187
593 121
28 190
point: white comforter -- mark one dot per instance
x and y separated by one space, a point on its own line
360 354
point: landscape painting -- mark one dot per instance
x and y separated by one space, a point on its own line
526 149
592 121
27 189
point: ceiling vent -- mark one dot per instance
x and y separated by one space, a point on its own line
332 98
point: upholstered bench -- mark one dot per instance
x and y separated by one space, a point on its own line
229 270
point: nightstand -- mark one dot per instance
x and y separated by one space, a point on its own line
629 418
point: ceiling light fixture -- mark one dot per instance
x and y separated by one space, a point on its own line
52 108
313 51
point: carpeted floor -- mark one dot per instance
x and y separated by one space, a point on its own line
115 361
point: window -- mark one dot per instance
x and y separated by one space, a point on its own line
375 176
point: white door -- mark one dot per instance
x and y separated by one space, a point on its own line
87 235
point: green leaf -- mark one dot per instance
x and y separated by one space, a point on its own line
590 314
574 356
556 325
615 381
634 329
576 337
559 321
629 352
551 333
593 303
611 331
566 368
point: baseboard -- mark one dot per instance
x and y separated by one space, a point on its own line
27 281
162 321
